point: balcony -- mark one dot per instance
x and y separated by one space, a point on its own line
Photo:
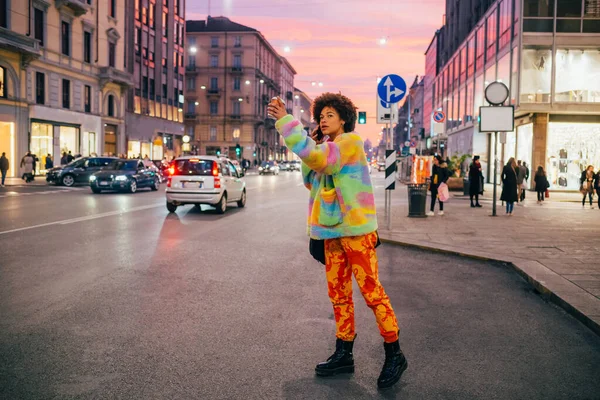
192 115
213 92
191 69
78 7
237 70
27 46
110 74
235 116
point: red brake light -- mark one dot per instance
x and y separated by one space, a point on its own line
169 182
171 170
215 169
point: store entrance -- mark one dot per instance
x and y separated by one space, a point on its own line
110 140
7 145
42 144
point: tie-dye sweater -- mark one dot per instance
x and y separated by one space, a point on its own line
341 200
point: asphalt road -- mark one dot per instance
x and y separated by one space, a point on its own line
109 296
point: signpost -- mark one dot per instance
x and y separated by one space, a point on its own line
496 118
390 90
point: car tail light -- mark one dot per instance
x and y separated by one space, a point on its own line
169 181
215 173
171 170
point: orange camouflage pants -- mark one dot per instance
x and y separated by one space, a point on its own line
345 256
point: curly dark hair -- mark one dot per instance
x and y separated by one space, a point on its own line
340 103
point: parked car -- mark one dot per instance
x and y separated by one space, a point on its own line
284 166
210 180
295 165
268 167
125 175
78 171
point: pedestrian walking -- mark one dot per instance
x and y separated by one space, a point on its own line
35 161
587 185
49 162
4 167
520 179
509 185
70 157
27 165
64 159
343 224
525 181
475 181
439 175
541 184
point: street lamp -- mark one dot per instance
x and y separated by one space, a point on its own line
287 49
203 87
193 50
247 82
196 103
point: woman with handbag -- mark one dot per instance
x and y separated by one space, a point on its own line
509 185
587 185
342 213
475 181
541 184
439 175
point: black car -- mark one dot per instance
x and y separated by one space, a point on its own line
125 175
78 171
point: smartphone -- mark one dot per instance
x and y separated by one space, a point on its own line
319 134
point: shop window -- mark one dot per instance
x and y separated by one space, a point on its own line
569 149
577 76
42 141
38 25
536 75
525 145
65 38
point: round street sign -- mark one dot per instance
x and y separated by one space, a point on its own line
391 89
439 116
496 93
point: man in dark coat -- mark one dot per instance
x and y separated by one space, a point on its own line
509 185
475 181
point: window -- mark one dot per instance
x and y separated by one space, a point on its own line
542 13
191 108
214 41
505 22
214 108
568 8
164 91
214 83
471 57
152 15
4 13
504 71
237 61
111 54
237 83
111 105
591 9
40 88
38 22
165 25
214 61
236 107
66 93
112 10
480 49
190 83
137 10
492 25
66 38
237 41
536 75
463 65
145 86
87 97
87 47
213 133
152 92
574 67
468 114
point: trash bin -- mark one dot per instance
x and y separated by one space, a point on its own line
466 186
417 200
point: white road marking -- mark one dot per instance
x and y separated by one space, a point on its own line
85 218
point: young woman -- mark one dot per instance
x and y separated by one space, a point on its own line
509 185
475 181
587 185
341 211
439 175
541 184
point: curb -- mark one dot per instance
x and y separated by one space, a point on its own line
536 274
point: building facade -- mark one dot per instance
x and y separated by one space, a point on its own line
546 52
155 38
75 85
231 75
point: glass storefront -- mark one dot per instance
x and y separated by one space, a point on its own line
578 76
525 145
571 147
110 140
42 144
7 145
88 145
69 138
536 75
137 149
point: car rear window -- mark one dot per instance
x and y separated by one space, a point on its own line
193 167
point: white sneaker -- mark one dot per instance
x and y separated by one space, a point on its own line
441 213
430 214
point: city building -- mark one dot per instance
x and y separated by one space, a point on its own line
154 120
232 74
68 65
303 109
547 53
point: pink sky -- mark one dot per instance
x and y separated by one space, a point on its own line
336 41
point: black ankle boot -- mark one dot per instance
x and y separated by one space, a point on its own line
393 367
342 361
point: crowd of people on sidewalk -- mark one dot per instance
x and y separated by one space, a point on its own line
515 182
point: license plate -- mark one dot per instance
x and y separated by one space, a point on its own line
103 183
191 185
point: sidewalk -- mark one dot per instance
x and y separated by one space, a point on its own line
39 180
556 247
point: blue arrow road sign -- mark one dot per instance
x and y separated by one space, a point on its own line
391 89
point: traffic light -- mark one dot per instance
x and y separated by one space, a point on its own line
362 117
218 152
238 150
